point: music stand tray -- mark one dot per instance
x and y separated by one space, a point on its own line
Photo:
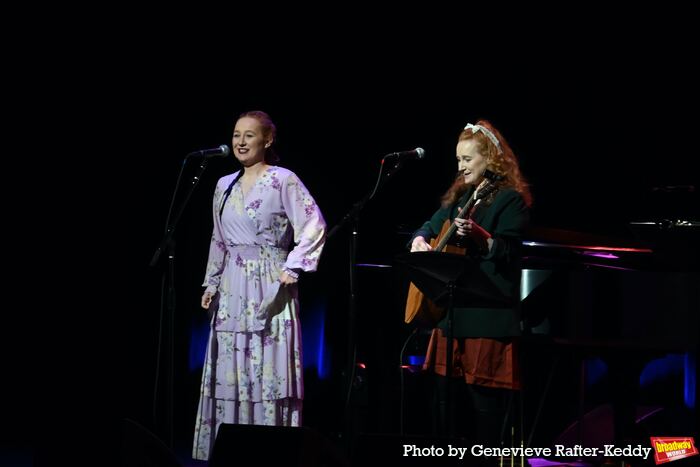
436 273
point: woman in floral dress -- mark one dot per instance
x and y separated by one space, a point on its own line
267 229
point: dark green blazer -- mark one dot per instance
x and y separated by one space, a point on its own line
505 216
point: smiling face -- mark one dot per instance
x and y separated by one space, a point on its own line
249 141
471 161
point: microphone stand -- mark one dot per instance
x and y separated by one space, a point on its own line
166 332
353 216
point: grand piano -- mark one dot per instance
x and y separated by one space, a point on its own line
623 302
588 287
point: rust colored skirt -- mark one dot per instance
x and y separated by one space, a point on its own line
479 360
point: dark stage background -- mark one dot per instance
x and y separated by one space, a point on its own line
593 148
596 129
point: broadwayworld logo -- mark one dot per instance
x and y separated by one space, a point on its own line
672 449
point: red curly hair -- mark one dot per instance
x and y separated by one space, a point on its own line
501 160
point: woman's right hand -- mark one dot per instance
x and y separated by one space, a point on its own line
419 244
206 300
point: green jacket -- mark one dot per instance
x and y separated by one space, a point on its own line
505 216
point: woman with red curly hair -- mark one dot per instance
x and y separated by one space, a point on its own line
484 348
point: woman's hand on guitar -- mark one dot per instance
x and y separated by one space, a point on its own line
469 227
419 244
463 227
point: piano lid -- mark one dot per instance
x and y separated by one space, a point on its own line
551 248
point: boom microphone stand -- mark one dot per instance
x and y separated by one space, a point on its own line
166 332
395 163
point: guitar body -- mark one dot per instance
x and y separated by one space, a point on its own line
420 308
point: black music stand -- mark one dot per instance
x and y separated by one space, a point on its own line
451 280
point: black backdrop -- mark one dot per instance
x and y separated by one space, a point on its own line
595 126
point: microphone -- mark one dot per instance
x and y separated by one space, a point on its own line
221 151
418 153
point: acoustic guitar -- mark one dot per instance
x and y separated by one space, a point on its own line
418 306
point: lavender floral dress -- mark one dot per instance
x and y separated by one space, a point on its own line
253 372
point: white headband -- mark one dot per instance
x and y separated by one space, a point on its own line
487 133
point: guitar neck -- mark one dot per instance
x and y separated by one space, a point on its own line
461 214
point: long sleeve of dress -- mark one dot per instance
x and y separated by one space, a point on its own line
308 224
217 247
